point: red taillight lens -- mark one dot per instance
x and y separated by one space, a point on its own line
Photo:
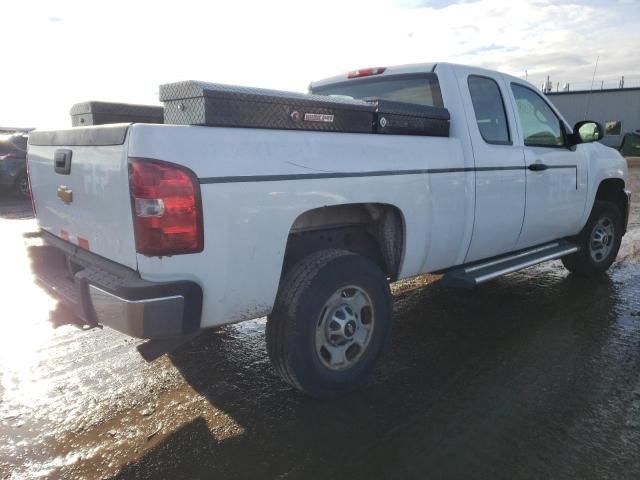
366 72
167 208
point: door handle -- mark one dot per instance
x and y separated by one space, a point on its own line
538 167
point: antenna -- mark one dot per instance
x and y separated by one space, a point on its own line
586 113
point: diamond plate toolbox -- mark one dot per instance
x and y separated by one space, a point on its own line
199 103
410 119
101 113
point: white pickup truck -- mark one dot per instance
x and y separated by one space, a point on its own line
161 230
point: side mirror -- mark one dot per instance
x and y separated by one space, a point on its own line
586 131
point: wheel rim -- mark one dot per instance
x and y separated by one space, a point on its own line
345 327
602 239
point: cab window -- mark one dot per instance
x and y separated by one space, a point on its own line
419 89
540 125
488 107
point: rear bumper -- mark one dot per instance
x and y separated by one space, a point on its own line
101 292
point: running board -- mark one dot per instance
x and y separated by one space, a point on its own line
473 274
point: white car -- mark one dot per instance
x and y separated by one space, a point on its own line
160 231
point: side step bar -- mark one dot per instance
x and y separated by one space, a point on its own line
468 276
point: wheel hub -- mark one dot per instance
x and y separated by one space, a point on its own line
342 325
344 329
602 237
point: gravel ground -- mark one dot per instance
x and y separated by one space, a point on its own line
534 375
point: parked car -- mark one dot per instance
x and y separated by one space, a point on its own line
631 144
13 164
160 231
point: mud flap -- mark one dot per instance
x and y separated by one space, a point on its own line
88 312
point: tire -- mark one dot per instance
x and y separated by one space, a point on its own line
330 322
22 185
603 229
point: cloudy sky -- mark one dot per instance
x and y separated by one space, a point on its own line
59 52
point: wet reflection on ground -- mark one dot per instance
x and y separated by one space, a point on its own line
534 375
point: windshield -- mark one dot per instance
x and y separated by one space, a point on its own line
421 89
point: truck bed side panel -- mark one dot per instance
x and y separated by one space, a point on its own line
255 183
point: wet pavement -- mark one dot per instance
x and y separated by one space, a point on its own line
534 375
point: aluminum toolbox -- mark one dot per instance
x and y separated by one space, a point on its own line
199 103
100 113
411 119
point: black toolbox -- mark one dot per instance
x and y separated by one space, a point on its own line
199 103
101 113
411 119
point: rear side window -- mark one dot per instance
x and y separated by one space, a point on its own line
540 125
488 106
419 89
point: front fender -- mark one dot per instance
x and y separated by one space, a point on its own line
603 163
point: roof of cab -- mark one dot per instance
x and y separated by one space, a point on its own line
419 68
393 70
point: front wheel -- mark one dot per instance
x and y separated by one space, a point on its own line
330 322
599 241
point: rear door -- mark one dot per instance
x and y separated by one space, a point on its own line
80 183
499 165
556 175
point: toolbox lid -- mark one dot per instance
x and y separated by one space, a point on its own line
390 107
112 108
196 89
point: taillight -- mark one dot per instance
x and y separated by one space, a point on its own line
366 72
167 208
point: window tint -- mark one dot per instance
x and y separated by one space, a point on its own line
423 89
540 125
489 109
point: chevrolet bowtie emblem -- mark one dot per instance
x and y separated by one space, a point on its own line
65 194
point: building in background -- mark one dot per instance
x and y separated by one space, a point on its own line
616 109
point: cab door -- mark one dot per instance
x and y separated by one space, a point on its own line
499 164
556 176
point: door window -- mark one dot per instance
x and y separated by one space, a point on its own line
540 125
489 109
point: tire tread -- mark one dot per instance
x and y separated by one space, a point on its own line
291 289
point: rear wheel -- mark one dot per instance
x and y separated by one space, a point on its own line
599 241
330 322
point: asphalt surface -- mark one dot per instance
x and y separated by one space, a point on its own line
534 375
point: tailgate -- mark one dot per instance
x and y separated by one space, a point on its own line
80 185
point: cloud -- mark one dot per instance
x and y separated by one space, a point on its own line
111 55
54 19
436 4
